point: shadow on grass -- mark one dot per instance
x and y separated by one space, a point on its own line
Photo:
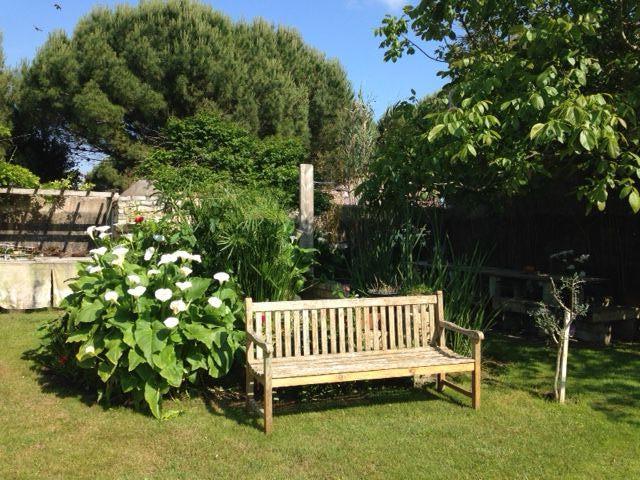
58 384
606 378
298 400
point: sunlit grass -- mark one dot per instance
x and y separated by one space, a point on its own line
49 431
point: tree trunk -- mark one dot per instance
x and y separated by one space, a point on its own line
563 355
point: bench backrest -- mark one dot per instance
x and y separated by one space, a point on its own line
328 327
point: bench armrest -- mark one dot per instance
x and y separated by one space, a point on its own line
476 335
260 342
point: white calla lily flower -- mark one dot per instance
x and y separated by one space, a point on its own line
163 294
133 278
137 291
215 302
183 285
148 253
103 228
178 306
104 235
117 262
91 230
128 236
153 271
181 254
98 252
94 269
111 296
186 271
171 322
195 258
167 258
221 277
158 238
120 251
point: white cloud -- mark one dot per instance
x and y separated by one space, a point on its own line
389 5
393 4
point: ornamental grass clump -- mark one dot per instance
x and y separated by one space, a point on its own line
138 325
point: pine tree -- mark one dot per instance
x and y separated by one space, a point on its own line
125 71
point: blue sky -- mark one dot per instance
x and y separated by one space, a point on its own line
341 28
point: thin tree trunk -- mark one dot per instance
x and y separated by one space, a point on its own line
564 356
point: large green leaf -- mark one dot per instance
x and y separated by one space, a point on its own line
89 311
115 349
82 333
197 331
143 334
198 288
134 358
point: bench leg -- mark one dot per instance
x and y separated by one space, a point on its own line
439 378
249 388
475 376
268 406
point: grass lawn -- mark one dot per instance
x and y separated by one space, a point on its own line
49 432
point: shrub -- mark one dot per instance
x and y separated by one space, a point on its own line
247 231
138 324
16 176
229 152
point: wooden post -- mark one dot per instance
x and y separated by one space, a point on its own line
306 205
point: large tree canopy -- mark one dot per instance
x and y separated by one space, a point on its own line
537 89
5 111
125 71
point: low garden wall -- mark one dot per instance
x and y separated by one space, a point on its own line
54 222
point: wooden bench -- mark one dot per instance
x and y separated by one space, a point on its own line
324 341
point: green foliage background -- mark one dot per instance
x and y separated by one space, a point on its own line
536 90
229 153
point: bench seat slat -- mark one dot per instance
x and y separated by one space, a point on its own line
345 363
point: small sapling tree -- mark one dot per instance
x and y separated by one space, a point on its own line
556 320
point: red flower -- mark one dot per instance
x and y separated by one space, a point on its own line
139 219
63 359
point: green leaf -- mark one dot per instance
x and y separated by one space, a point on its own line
128 382
135 359
165 358
115 349
586 140
197 331
433 133
82 333
89 311
535 130
173 374
152 397
105 370
198 288
537 101
143 335
634 200
471 149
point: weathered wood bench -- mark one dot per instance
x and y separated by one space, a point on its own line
324 341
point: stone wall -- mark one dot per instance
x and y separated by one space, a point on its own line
128 208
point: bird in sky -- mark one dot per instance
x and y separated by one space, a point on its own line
58 6
38 29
